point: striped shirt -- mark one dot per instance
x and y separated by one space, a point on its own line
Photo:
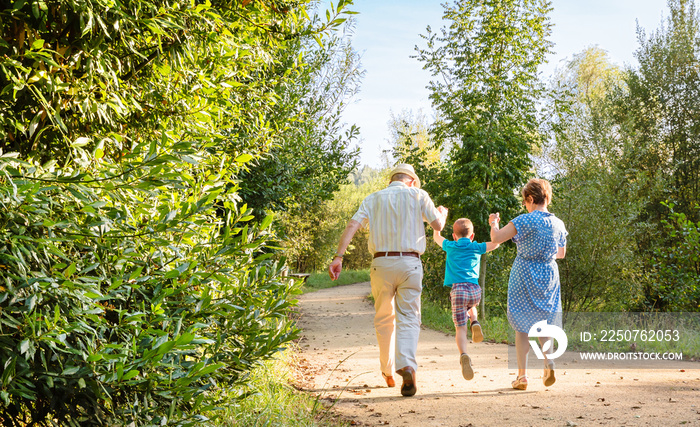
395 217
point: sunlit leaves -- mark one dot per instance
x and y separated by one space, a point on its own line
678 264
134 281
485 89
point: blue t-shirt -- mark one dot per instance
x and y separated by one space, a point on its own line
463 257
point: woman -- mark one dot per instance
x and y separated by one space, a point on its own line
533 287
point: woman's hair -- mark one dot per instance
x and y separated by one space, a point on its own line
539 189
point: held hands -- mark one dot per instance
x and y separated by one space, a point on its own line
494 219
443 215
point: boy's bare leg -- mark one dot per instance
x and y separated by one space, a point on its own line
461 338
473 314
464 359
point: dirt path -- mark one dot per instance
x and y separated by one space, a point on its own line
337 326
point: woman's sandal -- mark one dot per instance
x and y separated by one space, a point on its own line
520 383
548 378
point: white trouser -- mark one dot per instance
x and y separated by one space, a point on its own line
396 288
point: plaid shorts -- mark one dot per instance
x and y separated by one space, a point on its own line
464 296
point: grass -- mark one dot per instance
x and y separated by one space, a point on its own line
321 280
276 402
641 332
435 317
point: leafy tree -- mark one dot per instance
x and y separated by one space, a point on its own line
486 90
592 196
581 114
312 151
411 139
135 284
485 93
103 77
658 118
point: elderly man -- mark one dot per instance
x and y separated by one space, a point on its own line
395 217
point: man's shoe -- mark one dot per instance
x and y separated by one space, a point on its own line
477 335
409 381
389 380
466 362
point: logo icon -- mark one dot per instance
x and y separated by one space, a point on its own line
542 329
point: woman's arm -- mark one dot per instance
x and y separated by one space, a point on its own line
499 236
561 252
504 234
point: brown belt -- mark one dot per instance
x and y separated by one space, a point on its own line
380 254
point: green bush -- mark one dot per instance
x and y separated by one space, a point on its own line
117 311
312 234
498 265
434 272
135 284
677 264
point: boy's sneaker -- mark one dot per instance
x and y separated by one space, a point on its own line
548 378
477 336
466 362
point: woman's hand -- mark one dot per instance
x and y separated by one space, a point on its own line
500 235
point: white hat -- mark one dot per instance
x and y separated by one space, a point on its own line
408 170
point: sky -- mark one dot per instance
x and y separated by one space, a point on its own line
387 31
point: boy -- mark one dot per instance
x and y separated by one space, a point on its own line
462 275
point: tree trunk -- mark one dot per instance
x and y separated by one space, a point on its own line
482 283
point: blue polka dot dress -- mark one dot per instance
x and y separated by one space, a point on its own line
533 288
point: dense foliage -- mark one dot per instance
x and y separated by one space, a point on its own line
485 91
312 235
591 192
312 151
678 264
134 280
626 147
659 121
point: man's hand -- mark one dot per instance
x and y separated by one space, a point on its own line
439 223
345 238
335 268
